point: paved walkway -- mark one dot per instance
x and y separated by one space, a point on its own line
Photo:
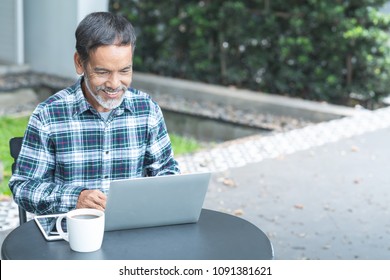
320 192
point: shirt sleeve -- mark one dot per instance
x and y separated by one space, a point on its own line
33 183
159 158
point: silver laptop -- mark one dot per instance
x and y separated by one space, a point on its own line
155 201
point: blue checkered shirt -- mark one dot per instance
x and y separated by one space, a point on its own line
68 147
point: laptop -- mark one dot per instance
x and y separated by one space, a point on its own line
155 201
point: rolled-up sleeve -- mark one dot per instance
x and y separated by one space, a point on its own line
32 183
159 159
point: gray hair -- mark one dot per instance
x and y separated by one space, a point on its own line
102 29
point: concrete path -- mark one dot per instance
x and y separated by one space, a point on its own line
328 202
320 192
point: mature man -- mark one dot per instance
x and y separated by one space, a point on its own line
93 132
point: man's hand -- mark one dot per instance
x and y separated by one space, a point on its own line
92 199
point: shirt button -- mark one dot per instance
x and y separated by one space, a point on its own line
107 152
106 177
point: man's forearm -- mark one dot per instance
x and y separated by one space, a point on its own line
40 197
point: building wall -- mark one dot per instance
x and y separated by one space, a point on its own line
11 31
49 33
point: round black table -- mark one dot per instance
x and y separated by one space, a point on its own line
216 236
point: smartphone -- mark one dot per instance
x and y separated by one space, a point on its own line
52 234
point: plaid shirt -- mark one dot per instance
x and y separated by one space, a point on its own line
68 147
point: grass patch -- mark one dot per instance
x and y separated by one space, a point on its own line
9 127
13 127
184 145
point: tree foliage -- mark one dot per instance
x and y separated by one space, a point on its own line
313 49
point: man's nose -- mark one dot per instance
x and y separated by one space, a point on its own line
114 81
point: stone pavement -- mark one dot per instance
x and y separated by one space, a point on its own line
257 148
319 192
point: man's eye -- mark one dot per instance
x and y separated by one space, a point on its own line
126 71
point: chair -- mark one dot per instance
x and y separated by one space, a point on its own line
15 144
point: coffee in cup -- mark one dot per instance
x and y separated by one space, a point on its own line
85 229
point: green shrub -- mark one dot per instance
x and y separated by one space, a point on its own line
313 49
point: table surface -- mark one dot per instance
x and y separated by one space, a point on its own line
215 236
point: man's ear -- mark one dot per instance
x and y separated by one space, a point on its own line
78 64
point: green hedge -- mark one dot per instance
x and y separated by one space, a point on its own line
313 49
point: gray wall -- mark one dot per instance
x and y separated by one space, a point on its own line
49 33
11 31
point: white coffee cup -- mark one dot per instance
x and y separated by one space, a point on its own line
85 229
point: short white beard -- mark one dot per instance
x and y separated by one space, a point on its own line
110 104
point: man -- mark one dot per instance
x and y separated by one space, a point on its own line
93 132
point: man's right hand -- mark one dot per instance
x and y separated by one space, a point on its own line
92 199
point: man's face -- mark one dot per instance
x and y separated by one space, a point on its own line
107 75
